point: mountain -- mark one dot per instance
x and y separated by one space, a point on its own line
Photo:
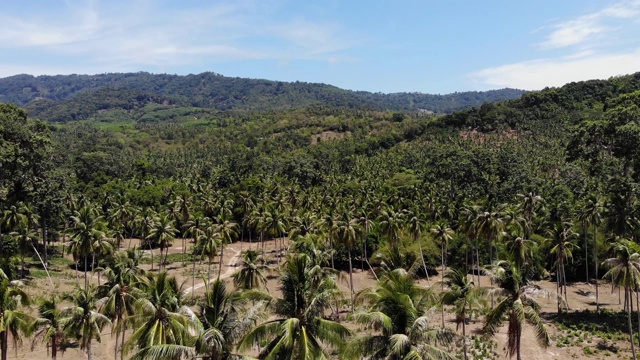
78 97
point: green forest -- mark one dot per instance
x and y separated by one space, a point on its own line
172 223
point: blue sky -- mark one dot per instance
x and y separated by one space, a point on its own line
430 46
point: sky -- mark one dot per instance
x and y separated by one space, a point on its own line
428 46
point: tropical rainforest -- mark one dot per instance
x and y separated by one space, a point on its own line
223 218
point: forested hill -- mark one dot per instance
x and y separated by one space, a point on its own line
78 97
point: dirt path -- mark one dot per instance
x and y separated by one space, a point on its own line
230 270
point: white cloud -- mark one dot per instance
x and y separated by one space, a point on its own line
537 74
118 36
589 27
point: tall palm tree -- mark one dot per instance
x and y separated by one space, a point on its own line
227 231
347 231
208 242
88 226
119 293
13 322
251 275
224 321
82 320
299 327
624 271
391 222
47 327
398 312
442 234
591 215
26 237
561 235
161 320
465 297
416 226
517 305
162 233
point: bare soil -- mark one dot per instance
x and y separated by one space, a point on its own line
581 296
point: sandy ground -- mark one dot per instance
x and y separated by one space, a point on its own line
581 296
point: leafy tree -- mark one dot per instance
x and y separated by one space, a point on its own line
13 321
252 273
47 327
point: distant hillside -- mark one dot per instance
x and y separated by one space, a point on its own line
77 97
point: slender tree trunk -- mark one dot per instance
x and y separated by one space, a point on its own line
558 291
464 336
221 261
351 281
3 345
586 253
54 347
442 283
633 348
124 330
115 350
424 264
86 280
518 338
595 256
208 270
44 239
193 281
151 251
184 251
22 261
564 284
478 261
89 355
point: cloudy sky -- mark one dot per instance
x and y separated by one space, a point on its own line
431 46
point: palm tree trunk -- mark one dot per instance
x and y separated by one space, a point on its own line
586 254
595 255
564 284
464 336
558 293
221 261
89 356
3 345
633 348
54 347
124 330
184 250
424 264
115 350
22 261
351 281
86 282
208 271
151 251
518 338
44 239
442 283
478 261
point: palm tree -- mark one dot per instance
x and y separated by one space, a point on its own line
162 322
119 293
82 320
87 228
13 322
442 235
47 327
624 270
398 312
162 233
224 321
561 236
391 222
347 230
227 231
416 225
517 306
465 297
25 236
299 329
591 214
251 275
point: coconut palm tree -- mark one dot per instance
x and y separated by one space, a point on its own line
47 328
561 235
162 323
624 271
13 322
82 320
119 293
25 237
251 275
88 227
416 225
208 243
465 297
398 311
299 328
347 230
442 234
227 231
162 233
224 321
591 215
516 304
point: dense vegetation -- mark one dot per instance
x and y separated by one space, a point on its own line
144 96
537 187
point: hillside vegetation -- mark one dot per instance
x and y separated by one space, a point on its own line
525 191
80 97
